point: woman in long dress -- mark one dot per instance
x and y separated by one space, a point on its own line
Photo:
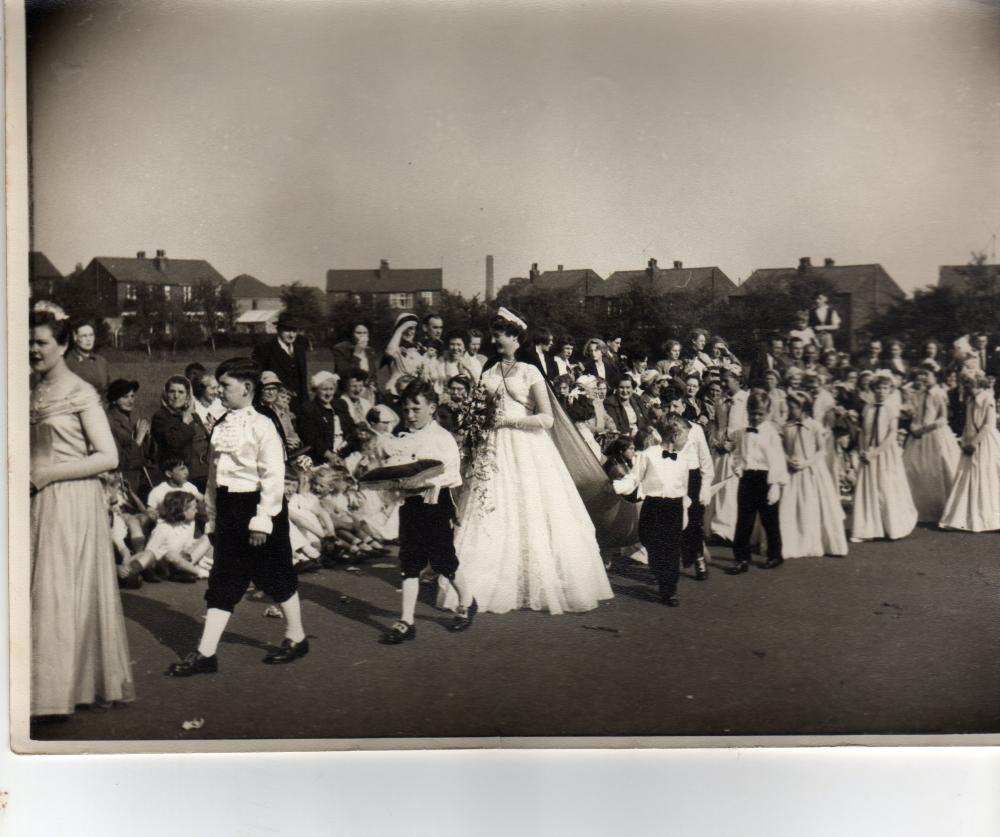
79 649
883 505
525 538
811 517
974 502
931 454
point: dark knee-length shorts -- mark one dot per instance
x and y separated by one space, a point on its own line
236 564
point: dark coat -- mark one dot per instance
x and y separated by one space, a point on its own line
131 456
317 426
291 370
527 354
612 374
616 410
172 437
344 361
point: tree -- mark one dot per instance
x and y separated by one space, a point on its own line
217 307
305 303
945 313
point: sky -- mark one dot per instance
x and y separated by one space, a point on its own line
283 139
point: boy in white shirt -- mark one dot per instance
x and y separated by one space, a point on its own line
247 521
660 479
427 516
701 470
759 461
175 470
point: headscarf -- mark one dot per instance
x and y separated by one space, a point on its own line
176 379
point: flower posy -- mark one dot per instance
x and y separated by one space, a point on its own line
476 417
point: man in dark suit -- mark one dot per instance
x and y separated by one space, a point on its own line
872 361
773 359
626 409
285 355
539 354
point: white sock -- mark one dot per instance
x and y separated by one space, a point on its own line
463 590
411 587
215 624
293 619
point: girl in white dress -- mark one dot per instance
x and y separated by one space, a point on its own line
883 505
931 454
974 502
810 514
525 538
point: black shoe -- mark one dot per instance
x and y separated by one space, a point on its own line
463 621
307 566
289 652
670 600
400 632
194 663
773 563
701 571
183 577
740 568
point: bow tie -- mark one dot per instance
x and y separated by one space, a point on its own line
752 430
669 454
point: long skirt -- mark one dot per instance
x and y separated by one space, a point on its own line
883 505
79 649
810 515
720 516
931 462
974 502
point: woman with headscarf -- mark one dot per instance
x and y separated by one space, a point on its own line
402 354
174 427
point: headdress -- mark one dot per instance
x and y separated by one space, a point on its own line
511 317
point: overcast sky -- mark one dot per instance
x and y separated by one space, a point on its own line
284 139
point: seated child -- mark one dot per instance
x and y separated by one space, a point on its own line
173 545
338 497
175 470
308 523
377 510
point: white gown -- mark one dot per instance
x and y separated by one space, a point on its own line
974 502
533 544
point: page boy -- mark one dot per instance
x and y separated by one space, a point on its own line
759 461
427 515
248 522
659 477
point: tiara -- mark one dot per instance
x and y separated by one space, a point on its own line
511 317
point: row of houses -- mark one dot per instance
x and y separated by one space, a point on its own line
861 292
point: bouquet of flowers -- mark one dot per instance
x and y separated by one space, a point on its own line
475 418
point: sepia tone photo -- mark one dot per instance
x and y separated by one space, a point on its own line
413 374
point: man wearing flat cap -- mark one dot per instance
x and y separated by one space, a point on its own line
285 355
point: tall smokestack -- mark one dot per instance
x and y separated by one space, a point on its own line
489 278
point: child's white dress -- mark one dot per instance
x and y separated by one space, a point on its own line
810 514
171 537
883 505
932 459
974 502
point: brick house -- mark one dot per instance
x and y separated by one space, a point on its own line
400 288
115 281
660 281
579 283
861 292
43 277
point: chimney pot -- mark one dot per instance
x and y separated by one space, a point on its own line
141 254
678 265
805 262
383 264
559 268
161 254
651 263
828 262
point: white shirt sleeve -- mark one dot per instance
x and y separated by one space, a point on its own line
271 472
